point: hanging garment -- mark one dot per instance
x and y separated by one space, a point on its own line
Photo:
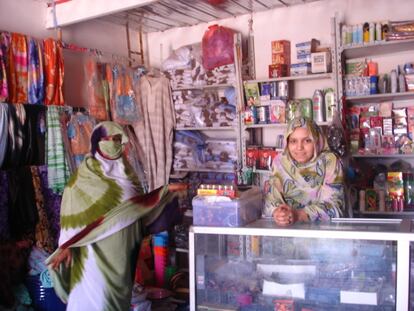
36 79
16 135
124 109
4 207
95 91
54 73
22 208
58 170
4 54
43 236
155 131
52 204
34 135
100 214
18 69
4 131
79 131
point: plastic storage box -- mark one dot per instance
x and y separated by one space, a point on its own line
226 212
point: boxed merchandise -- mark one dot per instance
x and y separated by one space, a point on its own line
321 62
303 48
227 212
281 46
300 69
277 71
280 59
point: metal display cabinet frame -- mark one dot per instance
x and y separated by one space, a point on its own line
339 231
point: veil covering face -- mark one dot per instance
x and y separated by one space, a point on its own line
102 212
315 186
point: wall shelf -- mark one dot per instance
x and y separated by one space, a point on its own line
202 87
203 170
380 97
315 76
395 156
377 48
210 128
278 125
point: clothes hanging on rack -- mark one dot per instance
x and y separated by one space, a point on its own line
36 79
54 73
58 169
155 130
95 91
4 47
3 131
18 69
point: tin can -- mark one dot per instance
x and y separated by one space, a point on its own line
262 114
283 89
318 106
273 90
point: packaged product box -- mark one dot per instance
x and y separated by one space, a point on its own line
395 184
277 71
371 200
280 59
321 62
227 212
280 46
306 47
252 156
252 93
277 111
356 68
300 69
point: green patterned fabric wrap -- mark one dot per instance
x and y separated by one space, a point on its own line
315 186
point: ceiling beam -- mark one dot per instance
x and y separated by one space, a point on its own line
75 11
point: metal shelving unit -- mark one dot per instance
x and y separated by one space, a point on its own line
379 48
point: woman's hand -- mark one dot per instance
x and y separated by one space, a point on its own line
65 255
285 215
175 187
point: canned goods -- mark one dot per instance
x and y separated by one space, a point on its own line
262 114
283 89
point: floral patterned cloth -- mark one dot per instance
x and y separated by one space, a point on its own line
316 186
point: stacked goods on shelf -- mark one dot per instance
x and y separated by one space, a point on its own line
266 102
193 150
362 79
261 157
381 129
303 55
364 33
280 59
198 108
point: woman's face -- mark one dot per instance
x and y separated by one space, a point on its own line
301 145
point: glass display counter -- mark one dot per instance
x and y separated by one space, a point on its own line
348 264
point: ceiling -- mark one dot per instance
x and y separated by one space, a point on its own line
165 14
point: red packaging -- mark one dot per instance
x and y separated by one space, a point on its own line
264 158
280 59
277 71
283 305
375 122
281 46
364 123
252 156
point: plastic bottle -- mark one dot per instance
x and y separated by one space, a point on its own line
371 32
365 32
360 34
394 81
378 32
330 106
344 31
318 106
401 81
362 200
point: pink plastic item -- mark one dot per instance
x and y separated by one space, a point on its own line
217 47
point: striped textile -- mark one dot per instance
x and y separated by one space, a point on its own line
58 170
18 69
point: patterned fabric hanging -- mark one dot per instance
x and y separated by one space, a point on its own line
36 79
18 69
54 73
4 50
58 170
95 91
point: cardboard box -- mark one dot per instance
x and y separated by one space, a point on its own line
280 58
281 46
300 69
277 71
321 62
